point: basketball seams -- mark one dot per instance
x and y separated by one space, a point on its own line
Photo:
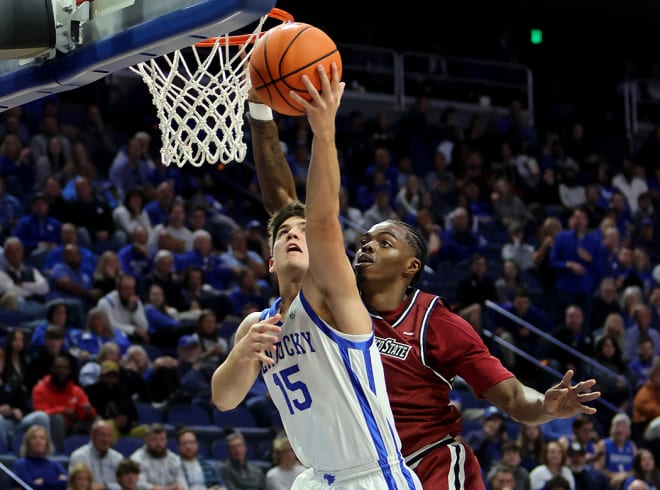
286 48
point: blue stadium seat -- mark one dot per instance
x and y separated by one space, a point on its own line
187 414
147 414
128 445
238 417
74 441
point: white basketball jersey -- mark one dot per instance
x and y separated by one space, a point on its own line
329 388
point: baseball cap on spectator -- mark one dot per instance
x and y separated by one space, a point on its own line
109 367
491 412
576 448
188 341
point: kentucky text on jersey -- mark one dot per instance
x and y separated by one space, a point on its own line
294 344
392 348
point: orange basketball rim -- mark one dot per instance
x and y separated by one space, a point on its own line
238 39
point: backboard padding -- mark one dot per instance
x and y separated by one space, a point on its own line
115 41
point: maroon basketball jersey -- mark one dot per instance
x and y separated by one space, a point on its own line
424 346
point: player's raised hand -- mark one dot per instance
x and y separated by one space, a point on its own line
261 336
565 400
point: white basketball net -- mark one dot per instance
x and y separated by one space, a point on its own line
200 101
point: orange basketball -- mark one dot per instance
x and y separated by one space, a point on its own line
282 56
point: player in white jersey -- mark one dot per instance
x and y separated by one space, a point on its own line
321 364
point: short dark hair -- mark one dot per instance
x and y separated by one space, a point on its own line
417 242
512 446
126 466
295 209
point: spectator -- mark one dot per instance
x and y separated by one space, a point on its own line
159 467
11 210
172 235
644 469
53 163
640 367
459 241
80 477
646 405
630 183
286 465
508 208
474 290
573 333
199 473
351 217
135 257
128 474
131 213
654 304
130 169
641 313
99 331
586 478
248 290
23 281
195 381
57 315
164 275
159 209
576 257
42 360
553 463
107 272
238 256
219 269
214 348
99 456
488 440
511 458
616 387
237 472
584 435
16 415
161 376
509 282
64 401
125 310
69 235
198 294
380 210
113 400
38 231
167 324
532 444
502 478
615 454
34 465
604 303
517 249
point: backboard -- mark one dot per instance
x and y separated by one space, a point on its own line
121 35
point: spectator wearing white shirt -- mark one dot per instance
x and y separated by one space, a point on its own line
125 309
99 457
159 467
23 284
630 184
173 235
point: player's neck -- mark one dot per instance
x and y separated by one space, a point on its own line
384 298
288 291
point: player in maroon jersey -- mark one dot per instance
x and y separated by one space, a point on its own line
423 344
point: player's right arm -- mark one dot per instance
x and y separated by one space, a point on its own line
232 380
273 172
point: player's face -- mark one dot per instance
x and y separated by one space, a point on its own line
384 253
290 246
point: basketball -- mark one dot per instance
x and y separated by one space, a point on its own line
282 56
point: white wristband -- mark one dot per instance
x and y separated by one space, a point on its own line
260 112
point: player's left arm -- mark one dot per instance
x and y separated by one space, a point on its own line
276 182
526 405
330 285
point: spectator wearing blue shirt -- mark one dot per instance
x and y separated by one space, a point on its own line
239 256
72 285
11 210
460 241
87 344
69 235
38 231
577 257
247 291
167 324
640 367
159 209
641 313
35 467
161 173
131 169
135 258
218 273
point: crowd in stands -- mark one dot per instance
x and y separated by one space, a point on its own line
122 281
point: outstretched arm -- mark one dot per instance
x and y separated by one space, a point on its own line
233 379
528 406
273 173
330 285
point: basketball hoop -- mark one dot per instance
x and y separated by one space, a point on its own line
200 97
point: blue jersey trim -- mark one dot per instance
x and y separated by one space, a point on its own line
342 342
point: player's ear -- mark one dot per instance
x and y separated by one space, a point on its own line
271 265
413 267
